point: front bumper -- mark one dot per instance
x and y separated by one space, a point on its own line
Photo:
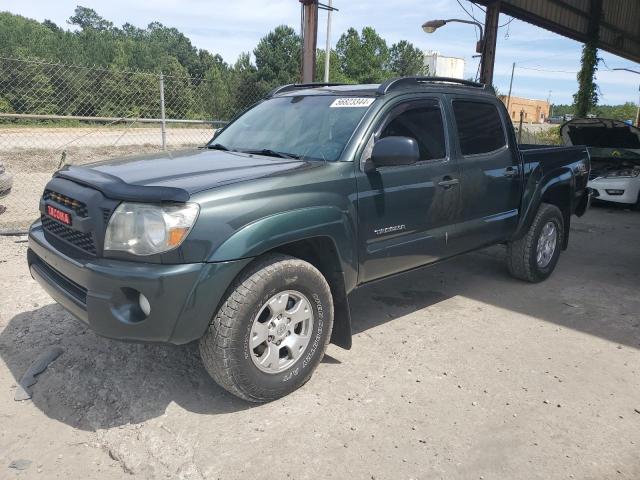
608 189
104 293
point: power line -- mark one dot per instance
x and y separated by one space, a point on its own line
545 70
507 23
466 11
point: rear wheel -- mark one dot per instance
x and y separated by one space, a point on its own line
534 257
271 331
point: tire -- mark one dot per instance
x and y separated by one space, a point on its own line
228 347
522 254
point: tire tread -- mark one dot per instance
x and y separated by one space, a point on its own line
216 347
519 252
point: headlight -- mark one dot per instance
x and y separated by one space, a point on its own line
627 172
146 229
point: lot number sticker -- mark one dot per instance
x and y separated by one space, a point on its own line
351 102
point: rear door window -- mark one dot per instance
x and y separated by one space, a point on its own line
480 127
422 121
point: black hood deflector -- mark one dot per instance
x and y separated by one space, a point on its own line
116 189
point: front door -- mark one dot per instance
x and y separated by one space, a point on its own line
404 211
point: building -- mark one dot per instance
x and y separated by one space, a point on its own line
441 66
535 111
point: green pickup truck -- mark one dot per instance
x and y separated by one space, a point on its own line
252 244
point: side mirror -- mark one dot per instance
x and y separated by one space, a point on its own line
394 151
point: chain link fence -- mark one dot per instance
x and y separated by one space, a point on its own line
51 114
539 135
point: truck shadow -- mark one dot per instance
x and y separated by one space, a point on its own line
594 289
98 383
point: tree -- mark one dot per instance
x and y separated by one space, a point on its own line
247 88
363 58
88 18
405 59
335 73
278 56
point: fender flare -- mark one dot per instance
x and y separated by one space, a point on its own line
270 233
540 188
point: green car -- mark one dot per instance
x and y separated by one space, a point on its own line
252 244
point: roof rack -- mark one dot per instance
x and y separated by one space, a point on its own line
400 82
299 86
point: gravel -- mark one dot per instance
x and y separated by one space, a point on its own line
488 351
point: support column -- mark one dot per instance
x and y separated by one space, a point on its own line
309 39
489 47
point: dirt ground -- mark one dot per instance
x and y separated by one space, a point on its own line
98 136
457 371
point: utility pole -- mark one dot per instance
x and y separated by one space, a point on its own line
327 51
309 38
513 67
489 46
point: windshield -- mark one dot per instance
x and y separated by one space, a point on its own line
311 127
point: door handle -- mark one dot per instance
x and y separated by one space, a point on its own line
448 182
511 171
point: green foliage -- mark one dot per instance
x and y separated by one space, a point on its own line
405 59
278 56
87 18
126 62
335 73
626 111
587 96
363 58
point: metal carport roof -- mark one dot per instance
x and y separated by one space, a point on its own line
619 23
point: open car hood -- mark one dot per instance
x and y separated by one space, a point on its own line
601 133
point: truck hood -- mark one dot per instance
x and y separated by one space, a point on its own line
174 176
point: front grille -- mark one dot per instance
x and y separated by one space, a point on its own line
83 241
106 215
78 207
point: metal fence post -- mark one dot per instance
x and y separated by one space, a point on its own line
163 125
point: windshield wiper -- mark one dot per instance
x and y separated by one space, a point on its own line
272 153
218 146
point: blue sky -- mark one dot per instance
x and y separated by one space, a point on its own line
544 61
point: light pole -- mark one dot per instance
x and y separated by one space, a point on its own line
637 73
432 25
327 52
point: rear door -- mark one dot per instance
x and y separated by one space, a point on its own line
490 176
404 210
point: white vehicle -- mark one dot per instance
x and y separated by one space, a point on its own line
614 147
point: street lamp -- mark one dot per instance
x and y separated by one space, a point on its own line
637 73
432 25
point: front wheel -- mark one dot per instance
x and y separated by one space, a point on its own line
271 331
534 256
